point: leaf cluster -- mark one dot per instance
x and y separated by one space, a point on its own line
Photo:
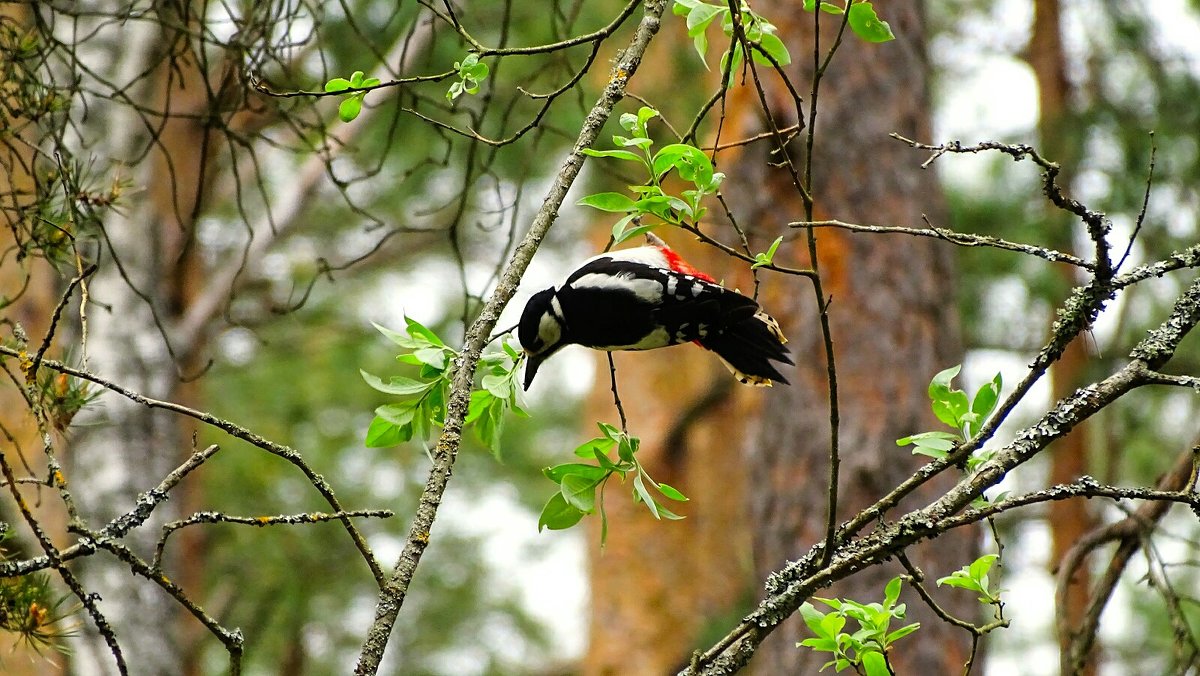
424 398
760 33
351 106
974 577
860 16
865 649
471 71
966 415
689 163
581 486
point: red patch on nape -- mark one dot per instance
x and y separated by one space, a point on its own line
676 263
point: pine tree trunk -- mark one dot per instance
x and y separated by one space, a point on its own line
1069 460
894 323
660 588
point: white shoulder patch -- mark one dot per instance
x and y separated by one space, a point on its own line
647 255
647 290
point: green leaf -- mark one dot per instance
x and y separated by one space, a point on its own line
633 232
984 403
827 7
433 356
867 25
772 45
398 384
490 425
640 490
619 154
382 434
638 141
925 435
419 331
701 15
609 201
767 257
401 339
875 664
892 592
672 493
589 448
398 414
558 514
609 431
813 618
499 386
478 72
557 472
480 401
942 445
735 66
939 387
689 161
901 632
580 492
350 107
356 78
371 82
980 567
666 513
961 581
627 447
644 115
700 44
338 84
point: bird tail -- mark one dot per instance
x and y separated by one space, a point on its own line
748 346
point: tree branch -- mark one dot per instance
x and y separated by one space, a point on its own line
392 596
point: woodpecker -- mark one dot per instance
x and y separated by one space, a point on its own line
649 297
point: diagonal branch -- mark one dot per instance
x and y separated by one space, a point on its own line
789 587
392 596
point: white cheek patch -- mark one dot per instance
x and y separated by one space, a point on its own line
549 330
646 290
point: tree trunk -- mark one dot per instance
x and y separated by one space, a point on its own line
763 456
660 588
893 323
1072 519
126 448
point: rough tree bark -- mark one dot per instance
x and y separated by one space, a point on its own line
892 313
658 584
141 289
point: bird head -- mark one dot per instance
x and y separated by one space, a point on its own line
541 330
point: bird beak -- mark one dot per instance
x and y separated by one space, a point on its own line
532 362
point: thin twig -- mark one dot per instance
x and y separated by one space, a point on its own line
959 238
612 373
287 453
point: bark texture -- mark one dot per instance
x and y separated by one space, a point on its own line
893 322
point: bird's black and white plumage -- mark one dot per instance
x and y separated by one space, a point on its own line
645 298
